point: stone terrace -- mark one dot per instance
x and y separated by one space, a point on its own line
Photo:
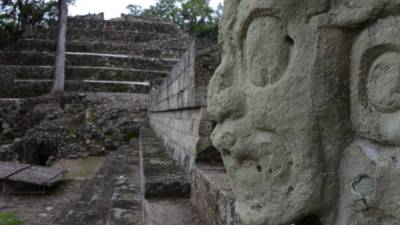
169 175
128 55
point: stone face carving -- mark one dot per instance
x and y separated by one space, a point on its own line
375 81
307 100
370 168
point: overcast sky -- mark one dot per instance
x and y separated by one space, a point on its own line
112 8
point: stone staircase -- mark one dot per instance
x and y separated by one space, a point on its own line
136 36
137 184
124 56
162 177
113 196
166 186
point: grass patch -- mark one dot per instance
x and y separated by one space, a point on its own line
9 218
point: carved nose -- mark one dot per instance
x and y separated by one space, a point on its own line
225 100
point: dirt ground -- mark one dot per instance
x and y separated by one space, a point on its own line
43 209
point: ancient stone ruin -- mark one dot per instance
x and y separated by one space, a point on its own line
122 76
102 56
298 125
306 100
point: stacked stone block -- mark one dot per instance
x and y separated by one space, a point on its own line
179 118
178 107
127 55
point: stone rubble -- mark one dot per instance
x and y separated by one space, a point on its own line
88 125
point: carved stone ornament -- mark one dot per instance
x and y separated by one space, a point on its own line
307 100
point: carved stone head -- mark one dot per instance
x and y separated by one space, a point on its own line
282 101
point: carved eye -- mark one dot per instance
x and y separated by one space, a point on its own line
384 82
267 50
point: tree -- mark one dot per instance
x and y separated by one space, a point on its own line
18 16
28 13
59 79
168 9
134 10
198 18
194 16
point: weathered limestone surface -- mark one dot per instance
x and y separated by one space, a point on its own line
307 104
180 131
163 178
165 185
113 196
212 194
208 189
178 117
186 86
177 111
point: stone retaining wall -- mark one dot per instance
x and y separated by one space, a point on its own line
178 107
178 116
212 195
180 132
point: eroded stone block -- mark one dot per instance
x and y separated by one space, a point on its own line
307 105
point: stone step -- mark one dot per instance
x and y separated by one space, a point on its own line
84 73
12 100
172 212
163 178
31 88
89 34
109 28
140 25
157 48
113 196
212 194
87 59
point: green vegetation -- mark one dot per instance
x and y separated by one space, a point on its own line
9 218
135 10
194 16
18 16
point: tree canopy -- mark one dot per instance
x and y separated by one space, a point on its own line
16 16
194 16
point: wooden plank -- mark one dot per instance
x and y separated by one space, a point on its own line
31 174
7 169
36 175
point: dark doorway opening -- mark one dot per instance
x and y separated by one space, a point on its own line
211 156
309 220
43 159
44 154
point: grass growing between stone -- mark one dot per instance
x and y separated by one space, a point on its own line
9 218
